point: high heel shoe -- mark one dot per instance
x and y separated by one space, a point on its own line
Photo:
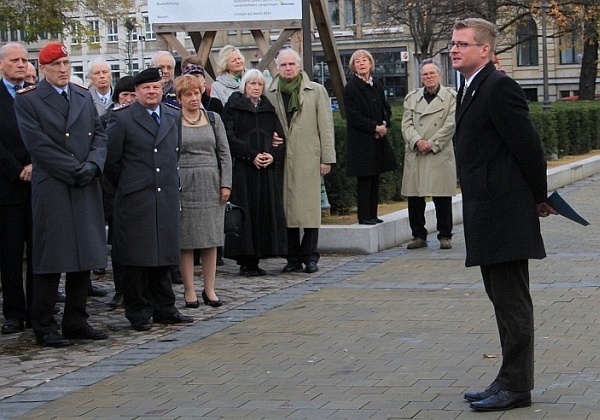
213 303
195 304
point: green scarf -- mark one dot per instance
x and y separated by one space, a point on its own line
292 89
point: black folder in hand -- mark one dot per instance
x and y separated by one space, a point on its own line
564 209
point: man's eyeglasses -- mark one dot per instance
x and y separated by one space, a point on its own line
462 45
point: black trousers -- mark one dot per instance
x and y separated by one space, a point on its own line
367 188
507 286
147 293
75 314
305 250
15 238
443 214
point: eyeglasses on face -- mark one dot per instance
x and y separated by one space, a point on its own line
462 45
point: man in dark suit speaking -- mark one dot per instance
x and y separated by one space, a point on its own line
67 144
143 151
502 173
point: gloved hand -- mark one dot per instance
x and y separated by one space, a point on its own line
85 173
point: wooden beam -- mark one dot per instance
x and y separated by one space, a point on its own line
332 57
174 43
263 47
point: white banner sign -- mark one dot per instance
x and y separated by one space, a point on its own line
205 11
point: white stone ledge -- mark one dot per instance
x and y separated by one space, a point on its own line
395 230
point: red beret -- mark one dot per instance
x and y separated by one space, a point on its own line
52 51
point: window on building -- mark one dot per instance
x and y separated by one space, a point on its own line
4 35
149 33
14 35
112 30
527 44
77 70
366 12
570 48
342 11
115 72
94 32
75 36
390 70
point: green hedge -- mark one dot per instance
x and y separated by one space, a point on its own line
570 128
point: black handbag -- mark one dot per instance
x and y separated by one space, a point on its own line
234 219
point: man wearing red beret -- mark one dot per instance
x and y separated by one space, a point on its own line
67 144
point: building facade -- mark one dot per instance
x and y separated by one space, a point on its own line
127 44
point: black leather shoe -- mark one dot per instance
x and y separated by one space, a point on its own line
53 339
220 262
248 272
213 303
12 326
86 333
142 326
367 222
311 267
117 300
60 298
503 400
177 318
292 267
99 271
482 395
378 220
194 305
96 292
176 277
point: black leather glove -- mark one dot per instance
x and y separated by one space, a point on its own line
85 173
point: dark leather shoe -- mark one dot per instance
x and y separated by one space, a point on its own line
176 277
52 339
311 267
292 267
12 326
482 395
117 300
99 271
86 333
503 400
177 318
220 262
248 272
213 303
60 297
378 220
367 222
194 305
96 292
142 326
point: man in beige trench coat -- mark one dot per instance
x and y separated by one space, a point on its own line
429 164
304 109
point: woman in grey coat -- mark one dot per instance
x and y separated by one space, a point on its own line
230 69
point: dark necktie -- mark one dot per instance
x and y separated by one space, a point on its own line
155 116
64 95
16 88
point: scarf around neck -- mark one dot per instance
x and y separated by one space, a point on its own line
292 89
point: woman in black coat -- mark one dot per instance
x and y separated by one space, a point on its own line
369 153
254 131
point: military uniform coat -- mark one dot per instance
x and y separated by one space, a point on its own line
433 174
309 142
502 171
68 221
142 165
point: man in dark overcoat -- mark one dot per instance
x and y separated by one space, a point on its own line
143 151
502 173
15 195
63 134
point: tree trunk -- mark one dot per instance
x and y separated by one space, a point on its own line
589 62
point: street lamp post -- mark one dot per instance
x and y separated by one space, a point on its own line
142 42
130 26
546 100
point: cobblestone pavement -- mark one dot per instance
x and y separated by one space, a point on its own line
394 335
